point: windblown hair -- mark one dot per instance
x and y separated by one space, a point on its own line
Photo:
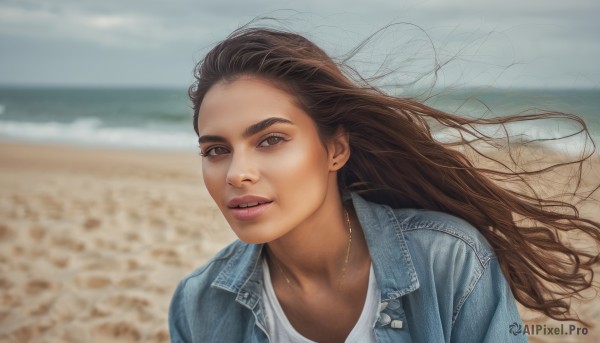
395 160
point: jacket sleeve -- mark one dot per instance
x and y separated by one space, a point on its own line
179 328
488 312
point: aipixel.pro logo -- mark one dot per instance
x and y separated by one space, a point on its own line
515 328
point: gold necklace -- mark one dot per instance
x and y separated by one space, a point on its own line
346 259
345 266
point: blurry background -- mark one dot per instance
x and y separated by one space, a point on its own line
115 72
94 236
153 43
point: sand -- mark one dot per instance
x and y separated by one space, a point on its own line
94 241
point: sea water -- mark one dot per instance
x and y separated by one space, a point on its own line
154 119
555 132
161 119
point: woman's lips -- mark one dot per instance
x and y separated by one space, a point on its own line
241 210
249 213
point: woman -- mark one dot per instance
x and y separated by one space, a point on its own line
354 224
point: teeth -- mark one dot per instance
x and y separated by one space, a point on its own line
248 205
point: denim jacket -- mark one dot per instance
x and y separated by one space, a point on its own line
438 277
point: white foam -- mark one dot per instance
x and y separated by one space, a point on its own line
90 132
559 136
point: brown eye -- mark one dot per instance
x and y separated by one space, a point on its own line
216 151
270 141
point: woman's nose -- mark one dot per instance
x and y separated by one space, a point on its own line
241 171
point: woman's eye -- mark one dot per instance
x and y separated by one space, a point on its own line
271 140
216 151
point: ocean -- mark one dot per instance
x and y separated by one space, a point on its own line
161 119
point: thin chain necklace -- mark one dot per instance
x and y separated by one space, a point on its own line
346 259
345 266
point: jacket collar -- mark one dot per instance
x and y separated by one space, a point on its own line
390 256
393 266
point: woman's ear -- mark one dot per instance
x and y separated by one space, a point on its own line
338 149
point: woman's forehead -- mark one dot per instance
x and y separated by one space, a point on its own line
246 101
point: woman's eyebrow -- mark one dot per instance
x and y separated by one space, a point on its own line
263 124
250 130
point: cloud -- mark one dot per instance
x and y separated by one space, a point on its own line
107 25
549 40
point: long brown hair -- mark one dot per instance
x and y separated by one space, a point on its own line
395 160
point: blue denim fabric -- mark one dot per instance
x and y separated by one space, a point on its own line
439 280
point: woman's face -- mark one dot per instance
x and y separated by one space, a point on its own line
257 143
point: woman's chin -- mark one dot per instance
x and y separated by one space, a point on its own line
255 233
254 239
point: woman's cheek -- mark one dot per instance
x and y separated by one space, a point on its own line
214 179
301 165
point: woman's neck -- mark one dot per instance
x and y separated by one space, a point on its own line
318 252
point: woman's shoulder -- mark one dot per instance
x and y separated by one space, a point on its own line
439 230
204 275
419 228
202 285
202 302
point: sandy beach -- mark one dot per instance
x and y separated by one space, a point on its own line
94 241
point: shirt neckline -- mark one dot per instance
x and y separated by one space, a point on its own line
363 319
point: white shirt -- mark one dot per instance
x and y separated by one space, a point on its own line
279 328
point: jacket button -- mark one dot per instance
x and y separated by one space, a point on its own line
384 319
383 306
396 324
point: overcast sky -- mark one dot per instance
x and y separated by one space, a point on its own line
155 43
